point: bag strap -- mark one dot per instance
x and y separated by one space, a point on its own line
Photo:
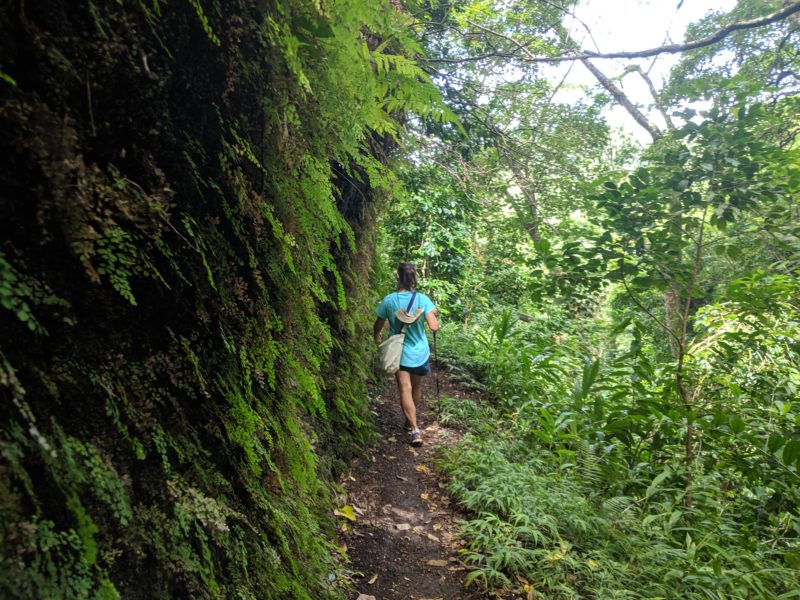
411 302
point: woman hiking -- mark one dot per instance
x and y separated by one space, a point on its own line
415 360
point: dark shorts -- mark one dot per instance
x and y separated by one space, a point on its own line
423 369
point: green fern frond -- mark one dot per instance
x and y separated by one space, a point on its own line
590 466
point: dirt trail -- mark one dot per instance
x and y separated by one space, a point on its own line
403 543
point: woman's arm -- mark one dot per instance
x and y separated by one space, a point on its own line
376 329
431 320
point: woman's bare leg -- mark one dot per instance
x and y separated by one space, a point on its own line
406 400
416 389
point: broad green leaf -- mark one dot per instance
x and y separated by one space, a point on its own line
346 511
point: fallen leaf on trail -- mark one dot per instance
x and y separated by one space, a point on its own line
432 538
401 478
424 495
522 580
442 485
417 529
407 515
437 526
421 468
392 439
403 526
365 597
373 579
346 512
392 457
344 528
359 511
351 478
457 568
437 563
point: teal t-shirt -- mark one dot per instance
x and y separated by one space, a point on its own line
415 347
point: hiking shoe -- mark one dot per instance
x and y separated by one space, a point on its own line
416 438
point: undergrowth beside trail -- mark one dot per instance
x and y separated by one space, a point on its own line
567 502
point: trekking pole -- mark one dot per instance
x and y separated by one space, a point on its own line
436 362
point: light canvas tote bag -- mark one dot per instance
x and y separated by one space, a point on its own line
391 350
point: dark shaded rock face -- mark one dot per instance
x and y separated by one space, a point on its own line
186 237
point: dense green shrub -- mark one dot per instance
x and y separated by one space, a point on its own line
574 472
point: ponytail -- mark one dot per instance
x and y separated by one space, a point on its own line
407 276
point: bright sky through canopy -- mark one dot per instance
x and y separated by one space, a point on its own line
632 25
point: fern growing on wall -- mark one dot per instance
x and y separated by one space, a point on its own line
188 204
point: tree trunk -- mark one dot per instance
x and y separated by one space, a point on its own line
526 186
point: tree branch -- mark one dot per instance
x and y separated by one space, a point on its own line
620 97
717 36
656 97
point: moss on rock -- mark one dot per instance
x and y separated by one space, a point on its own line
188 198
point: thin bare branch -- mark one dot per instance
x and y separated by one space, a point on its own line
656 97
717 36
620 97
